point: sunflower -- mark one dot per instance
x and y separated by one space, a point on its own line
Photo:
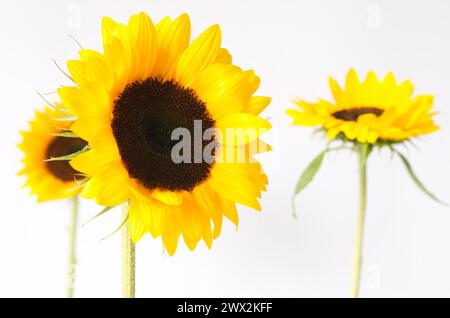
129 99
370 111
368 114
49 180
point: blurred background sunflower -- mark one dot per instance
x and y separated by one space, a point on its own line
55 179
49 175
369 111
366 114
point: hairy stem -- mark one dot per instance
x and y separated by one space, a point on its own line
72 261
128 260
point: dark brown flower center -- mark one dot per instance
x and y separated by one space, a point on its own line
63 146
144 118
352 114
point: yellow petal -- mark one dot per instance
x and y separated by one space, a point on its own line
370 90
352 88
96 68
109 187
167 197
88 128
145 43
196 221
137 218
191 243
211 202
338 94
223 88
171 233
173 39
257 104
388 89
223 57
116 55
304 119
91 100
230 212
90 162
241 128
78 71
233 182
109 27
372 137
153 211
333 132
106 144
201 53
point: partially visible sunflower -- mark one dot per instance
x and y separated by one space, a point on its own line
49 180
370 111
148 81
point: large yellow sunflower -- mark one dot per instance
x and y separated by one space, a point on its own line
49 180
148 81
370 111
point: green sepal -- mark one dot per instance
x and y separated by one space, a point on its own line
62 71
79 183
59 108
76 41
66 134
103 211
63 118
124 221
69 156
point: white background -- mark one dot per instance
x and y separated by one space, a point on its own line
294 46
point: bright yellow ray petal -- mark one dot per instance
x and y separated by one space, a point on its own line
173 39
230 212
107 187
109 27
172 231
145 44
241 128
211 202
223 88
167 197
90 162
352 86
138 220
223 57
257 104
201 53
232 181
338 94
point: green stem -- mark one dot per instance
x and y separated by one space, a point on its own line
128 260
363 153
72 261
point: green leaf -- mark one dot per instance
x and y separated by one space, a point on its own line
416 180
307 176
